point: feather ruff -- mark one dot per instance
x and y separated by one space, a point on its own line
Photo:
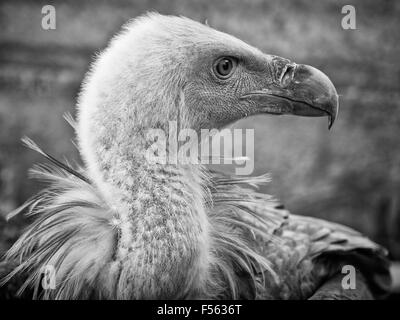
74 232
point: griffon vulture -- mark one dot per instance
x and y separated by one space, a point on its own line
121 227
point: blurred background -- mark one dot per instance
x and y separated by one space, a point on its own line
350 174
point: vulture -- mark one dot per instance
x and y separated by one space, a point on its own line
123 227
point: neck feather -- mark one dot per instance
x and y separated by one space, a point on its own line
161 217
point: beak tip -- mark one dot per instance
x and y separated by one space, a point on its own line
333 116
330 122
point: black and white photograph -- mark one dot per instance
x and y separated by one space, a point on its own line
199 150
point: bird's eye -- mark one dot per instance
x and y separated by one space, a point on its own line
224 67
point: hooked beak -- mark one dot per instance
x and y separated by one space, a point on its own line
299 90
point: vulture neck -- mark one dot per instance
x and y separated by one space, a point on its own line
160 214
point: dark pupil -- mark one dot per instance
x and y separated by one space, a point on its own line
224 67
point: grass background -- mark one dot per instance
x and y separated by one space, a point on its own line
349 174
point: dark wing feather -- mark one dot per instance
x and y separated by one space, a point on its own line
313 251
304 252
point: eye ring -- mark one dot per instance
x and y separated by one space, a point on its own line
224 67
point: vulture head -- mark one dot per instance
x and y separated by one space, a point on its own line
162 230
162 68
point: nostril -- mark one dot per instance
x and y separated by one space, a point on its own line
287 74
